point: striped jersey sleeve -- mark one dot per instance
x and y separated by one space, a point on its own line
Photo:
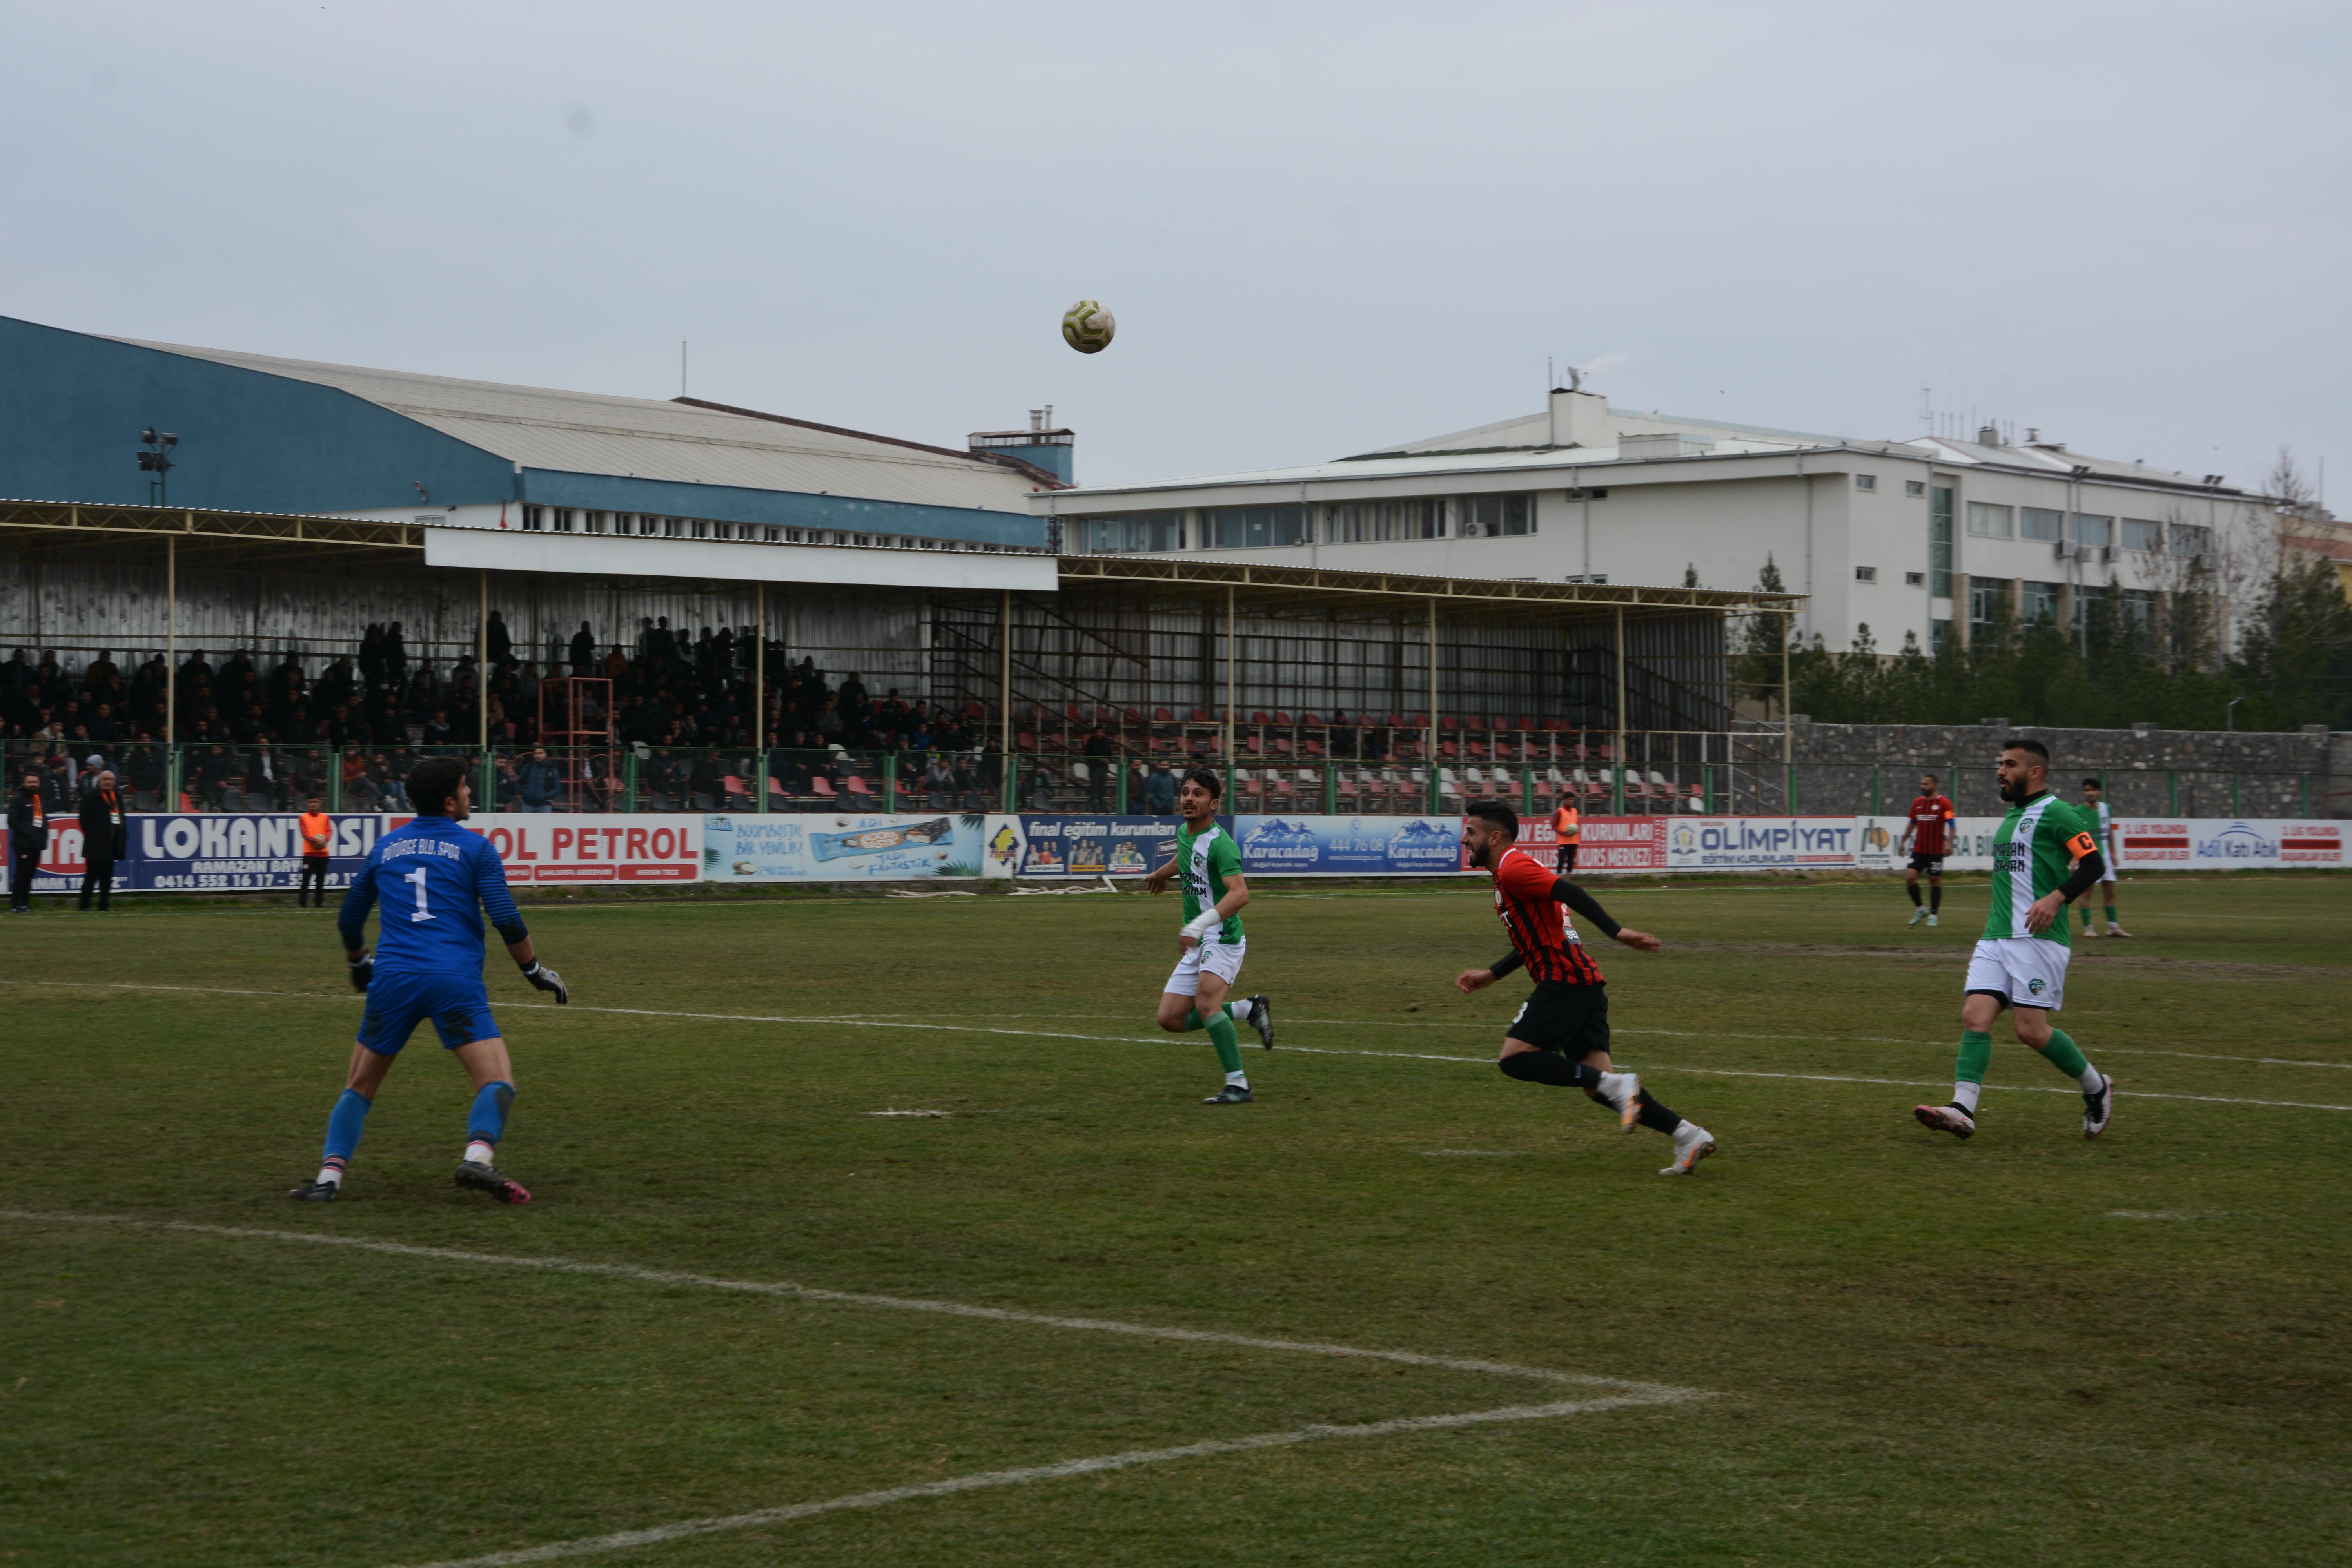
1541 932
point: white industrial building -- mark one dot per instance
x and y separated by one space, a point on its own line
1922 537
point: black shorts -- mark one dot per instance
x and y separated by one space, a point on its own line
1569 1019
1566 860
1931 864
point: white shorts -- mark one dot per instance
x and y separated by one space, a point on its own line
2026 970
1222 958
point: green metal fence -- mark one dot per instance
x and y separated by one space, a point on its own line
1679 774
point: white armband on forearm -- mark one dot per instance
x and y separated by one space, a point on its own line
1199 927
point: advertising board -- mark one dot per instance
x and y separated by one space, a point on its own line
842 847
1350 846
1617 843
1081 846
2222 844
590 847
1760 843
206 852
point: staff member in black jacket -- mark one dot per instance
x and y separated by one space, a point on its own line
105 839
28 835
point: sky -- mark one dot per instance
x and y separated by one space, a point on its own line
1323 229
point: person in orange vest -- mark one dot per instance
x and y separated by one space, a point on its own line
1566 828
318 829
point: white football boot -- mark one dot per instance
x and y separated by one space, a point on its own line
1948 1119
1623 1090
1692 1144
2099 1109
1918 915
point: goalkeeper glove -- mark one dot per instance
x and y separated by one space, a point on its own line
546 979
1198 928
363 971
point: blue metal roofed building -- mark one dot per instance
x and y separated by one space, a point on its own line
608 485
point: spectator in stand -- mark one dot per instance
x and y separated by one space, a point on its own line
584 650
105 839
396 658
28 835
437 732
538 783
939 785
502 642
1160 789
828 720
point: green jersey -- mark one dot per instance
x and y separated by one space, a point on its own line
2031 855
1204 861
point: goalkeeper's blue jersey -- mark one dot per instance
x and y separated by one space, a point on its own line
434 880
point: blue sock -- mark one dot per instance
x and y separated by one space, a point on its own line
343 1127
487 1120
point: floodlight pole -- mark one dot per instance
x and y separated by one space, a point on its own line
482 666
1004 703
759 669
171 645
1788 731
1436 796
1230 639
1618 795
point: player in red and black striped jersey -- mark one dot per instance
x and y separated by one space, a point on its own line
1562 1034
1927 836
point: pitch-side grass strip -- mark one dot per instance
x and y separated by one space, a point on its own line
659 1534
845 1021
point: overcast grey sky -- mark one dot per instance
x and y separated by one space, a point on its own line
1323 228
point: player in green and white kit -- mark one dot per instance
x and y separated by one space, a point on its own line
2095 804
1211 945
2021 962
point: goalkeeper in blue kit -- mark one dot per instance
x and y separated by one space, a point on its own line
435 880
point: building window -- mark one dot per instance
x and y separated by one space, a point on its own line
1254 527
1135 531
595 521
2191 539
2139 608
2086 598
2098 533
2038 604
1865 574
563 516
1866 481
1496 517
1369 521
1939 541
673 527
1914 487
1918 579
768 534
1599 492
534 518
1938 632
2040 523
2142 535
1989 522
1986 595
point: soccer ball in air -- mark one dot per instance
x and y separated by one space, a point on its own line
1087 327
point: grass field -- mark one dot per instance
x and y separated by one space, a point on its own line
1844 1341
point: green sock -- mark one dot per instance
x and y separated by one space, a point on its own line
2066 1054
2111 914
1976 1054
1192 1020
1229 1045
2087 917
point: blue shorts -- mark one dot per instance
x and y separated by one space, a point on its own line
458 1004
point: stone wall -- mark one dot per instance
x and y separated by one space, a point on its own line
2146 773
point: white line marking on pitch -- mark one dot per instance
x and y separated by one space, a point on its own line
841 1021
859 1298
1628 1393
623 1539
